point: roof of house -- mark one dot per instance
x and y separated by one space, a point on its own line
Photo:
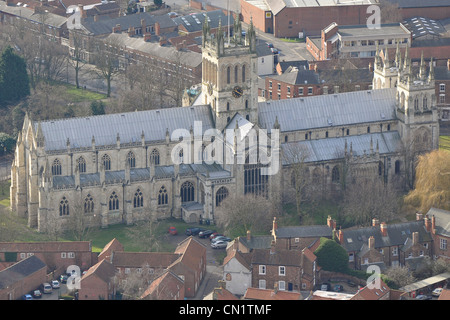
50 19
143 259
394 29
190 252
304 231
270 294
103 270
352 76
113 245
445 295
20 271
129 126
245 259
300 64
256 242
397 234
329 110
442 221
278 257
372 291
297 76
164 287
46 246
105 24
422 26
194 22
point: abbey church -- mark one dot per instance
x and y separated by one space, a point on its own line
120 168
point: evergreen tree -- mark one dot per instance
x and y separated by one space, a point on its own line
14 82
331 256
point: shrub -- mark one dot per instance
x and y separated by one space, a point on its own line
331 256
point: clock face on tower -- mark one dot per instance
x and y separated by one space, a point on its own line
237 92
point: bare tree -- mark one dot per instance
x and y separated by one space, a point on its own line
107 60
296 155
401 276
77 58
81 222
144 233
137 281
239 213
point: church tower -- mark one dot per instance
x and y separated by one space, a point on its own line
229 75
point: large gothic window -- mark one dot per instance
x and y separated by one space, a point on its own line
254 181
131 159
113 201
187 192
163 198
64 207
154 157
416 104
335 175
138 199
81 163
56 167
88 204
221 194
228 75
106 160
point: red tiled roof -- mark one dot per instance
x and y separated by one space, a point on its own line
113 245
103 269
190 250
46 246
445 295
375 293
267 294
140 259
165 287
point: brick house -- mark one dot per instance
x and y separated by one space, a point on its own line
57 255
98 282
237 271
190 265
271 294
377 292
442 76
168 286
22 277
130 262
112 246
386 245
439 227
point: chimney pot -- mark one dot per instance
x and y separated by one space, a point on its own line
275 224
427 224
341 236
249 235
371 242
375 222
419 216
383 228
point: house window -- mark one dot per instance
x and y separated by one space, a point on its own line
442 87
56 167
443 244
154 157
262 269
395 251
71 255
270 84
297 240
279 86
351 257
81 163
289 90
138 199
64 207
88 204
262 284
281 270
310 90
300 91
442 98
63 255
281 285
162 196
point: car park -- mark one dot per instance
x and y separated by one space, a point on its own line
219 244
205 233
213 235
55 284
193 231
37 294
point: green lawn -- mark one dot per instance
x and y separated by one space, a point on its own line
79 95
444 142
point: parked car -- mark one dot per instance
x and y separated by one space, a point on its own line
46 288
325 287
193 231
213 235
37 294
63 278
205 233
220 238
55 284
437 292
423 297
338 288
173 231
270 45
27 297
219 244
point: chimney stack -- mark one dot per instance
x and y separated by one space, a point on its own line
419 216
383 228
249 235
157 28
341 236
375 222
331 223
274 225
415 238
147 37
427 224
433 224
371 242
272 247
117 28
448 64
